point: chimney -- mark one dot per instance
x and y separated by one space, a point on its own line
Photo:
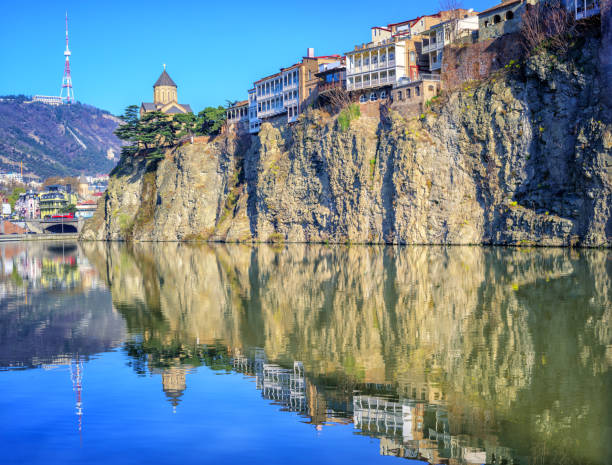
310 53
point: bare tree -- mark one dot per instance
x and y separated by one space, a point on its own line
547 21
453 10
337 98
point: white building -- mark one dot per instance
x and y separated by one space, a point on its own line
441 35
254 121
378 63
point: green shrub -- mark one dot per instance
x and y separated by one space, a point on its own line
348 114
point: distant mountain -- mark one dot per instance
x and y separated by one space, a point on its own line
63 140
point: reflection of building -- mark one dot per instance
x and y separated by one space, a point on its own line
174 384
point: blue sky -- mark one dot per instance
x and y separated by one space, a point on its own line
213 50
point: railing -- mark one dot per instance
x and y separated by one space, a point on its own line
590 10
429 77
436 65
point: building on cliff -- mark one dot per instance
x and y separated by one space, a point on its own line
165 97
287 93
394 56
238 116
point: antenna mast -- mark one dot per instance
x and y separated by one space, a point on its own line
67 80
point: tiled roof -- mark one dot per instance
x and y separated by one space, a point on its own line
149 106
164 80
504 4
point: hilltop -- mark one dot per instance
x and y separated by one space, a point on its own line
62 140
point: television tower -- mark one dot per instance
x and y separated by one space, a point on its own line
67 81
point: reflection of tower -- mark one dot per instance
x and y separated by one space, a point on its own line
174 384
76 375
67 80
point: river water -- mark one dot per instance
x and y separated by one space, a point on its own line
174 353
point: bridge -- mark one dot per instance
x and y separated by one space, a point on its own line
55 226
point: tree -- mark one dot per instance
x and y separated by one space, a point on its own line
128 130
547 22
186 124
211 120
12 199
71 208
453 11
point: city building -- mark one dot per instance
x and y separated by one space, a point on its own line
289 91
56 198
410 96
394 54
254 122
238 116
165 97
28 206
48 99
442 34
331 76
85 209
503 18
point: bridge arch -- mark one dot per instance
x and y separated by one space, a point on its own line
59 228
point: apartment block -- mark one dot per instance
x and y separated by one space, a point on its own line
394 54
288 92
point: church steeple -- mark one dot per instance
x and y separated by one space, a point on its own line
164 89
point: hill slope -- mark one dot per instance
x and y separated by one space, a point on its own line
56 141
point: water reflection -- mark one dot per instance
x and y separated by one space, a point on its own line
53 307
454 355
450 355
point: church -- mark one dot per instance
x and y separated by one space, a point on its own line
165 97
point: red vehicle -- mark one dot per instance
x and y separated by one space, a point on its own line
67 216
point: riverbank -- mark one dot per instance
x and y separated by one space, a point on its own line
38 237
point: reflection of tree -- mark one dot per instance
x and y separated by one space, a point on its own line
470 328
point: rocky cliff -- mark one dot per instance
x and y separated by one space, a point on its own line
523 158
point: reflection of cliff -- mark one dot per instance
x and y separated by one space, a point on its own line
39 325
471 328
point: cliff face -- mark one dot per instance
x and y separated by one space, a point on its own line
523 158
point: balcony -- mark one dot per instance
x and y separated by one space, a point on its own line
432 47
436 65
587 9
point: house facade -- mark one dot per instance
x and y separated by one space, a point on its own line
237 116
54 199
289 91
442 34
504 18
165 97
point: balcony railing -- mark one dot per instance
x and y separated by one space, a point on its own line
436 65
590 10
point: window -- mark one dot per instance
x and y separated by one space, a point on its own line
399 95
412 57
309 75
373 97
417 91
359 63
363 98
383 94
509 15
374 59
391 56
383 58
496 19
486 23
366 61
407 93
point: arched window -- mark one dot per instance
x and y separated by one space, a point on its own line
509 15
496 19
